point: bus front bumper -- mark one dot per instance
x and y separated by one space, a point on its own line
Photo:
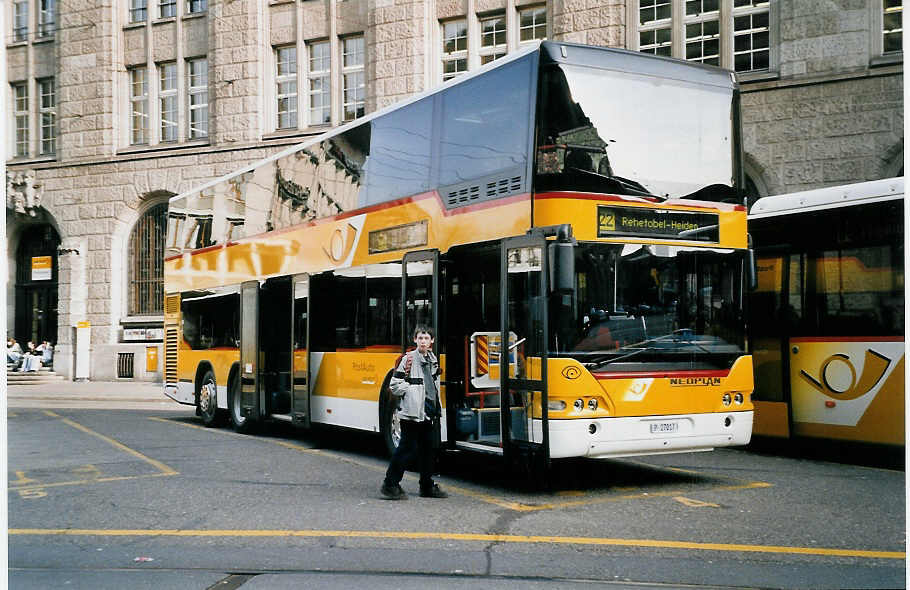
604 438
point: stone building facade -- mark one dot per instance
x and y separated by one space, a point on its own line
116 105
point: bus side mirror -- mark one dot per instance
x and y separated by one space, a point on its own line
563 255
752 270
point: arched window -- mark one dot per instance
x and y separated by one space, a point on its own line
146 262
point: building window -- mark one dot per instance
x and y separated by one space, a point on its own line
139 120
167 8
194 6
492 38
751 35
454 48
47 17
352 75
20 20
167 100
532 23
319 80
892 30
286 80
146 262
20 113
138 11
197 74
703 23
48 114
703 31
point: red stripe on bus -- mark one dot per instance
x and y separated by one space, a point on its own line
600 197
660 374
848 339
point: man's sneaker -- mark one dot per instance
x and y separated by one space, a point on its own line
433 492
393 492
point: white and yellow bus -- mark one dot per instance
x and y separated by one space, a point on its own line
565 219
828 313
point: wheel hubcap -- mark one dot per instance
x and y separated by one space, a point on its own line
207 397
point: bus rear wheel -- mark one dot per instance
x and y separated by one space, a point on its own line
241 423
207 400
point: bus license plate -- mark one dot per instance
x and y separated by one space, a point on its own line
664 427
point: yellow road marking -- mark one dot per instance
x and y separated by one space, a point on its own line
695 503
488 498
467 537
24 484
164 469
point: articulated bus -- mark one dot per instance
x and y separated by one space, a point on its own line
828 313
567 219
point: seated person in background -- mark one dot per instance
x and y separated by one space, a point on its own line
13 351
47 353
31 362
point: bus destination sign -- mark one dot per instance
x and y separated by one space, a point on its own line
660 223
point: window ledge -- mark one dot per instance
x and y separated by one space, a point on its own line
25 160
136 25
12 44
887 60
164 20
198 14
291 133
747 77
163 147
148 321
44 39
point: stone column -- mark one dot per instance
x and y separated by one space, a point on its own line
236 34
86 78
397 40
592 23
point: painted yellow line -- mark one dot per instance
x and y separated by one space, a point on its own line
76 482
468 537
164 469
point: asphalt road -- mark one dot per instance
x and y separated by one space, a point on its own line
151 499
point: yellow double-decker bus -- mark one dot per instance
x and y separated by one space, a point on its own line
566 220
828 314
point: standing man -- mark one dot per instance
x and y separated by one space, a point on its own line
416 382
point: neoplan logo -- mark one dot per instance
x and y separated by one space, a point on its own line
694 381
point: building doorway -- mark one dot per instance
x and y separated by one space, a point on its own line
36 285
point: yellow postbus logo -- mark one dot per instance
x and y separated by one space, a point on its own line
837 375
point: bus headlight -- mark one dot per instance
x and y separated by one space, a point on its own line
556 405
738 398
579 405
726 399
592 404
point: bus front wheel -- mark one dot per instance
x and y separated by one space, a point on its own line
389 423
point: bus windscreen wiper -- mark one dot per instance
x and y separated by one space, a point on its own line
635 352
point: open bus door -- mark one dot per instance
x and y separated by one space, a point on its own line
249 354
419 294
300 363
523 362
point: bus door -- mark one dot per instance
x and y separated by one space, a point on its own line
523 366
420 292
249 350
419 297
301 359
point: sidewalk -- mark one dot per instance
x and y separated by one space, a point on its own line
100 395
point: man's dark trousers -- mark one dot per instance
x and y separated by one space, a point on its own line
416 437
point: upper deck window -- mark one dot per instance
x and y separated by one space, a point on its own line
624 133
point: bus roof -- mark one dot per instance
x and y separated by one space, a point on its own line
553 52
829 197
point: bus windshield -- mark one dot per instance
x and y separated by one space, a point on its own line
654 136
647 307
